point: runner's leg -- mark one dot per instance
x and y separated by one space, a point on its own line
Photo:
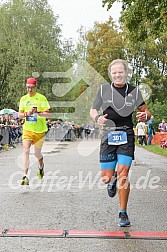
38 143
38 155
26 153
107 175
124 163
124 186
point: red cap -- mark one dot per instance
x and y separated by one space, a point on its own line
31 81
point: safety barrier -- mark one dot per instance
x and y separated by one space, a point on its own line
9 136
60 134
57 134
5 136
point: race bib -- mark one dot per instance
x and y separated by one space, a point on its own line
31 118
117 137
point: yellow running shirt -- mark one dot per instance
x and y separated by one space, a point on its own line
34 122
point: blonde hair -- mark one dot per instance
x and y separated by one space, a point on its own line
118 61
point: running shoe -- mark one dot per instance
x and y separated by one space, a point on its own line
25 181
40 172
124 220
112 187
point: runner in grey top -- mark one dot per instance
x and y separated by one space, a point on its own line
118 101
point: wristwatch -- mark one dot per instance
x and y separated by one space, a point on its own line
96 118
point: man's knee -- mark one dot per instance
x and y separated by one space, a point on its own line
123 180
106 175
26 150
105 179
38 155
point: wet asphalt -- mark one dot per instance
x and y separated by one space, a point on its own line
72 197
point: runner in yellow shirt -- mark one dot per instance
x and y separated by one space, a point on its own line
34 108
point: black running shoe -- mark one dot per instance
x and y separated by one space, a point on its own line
40 172
25 181
112 188
124 220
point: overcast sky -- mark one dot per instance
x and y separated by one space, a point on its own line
74 13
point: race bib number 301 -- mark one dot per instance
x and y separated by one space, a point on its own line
117 137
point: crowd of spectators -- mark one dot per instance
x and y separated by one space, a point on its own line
10 131
146 131
68 131
58 130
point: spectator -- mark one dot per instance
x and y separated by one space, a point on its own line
141 133
150 130
87 132
162 126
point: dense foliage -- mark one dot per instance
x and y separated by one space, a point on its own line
30 41
144 26
143 18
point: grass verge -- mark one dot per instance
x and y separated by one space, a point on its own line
155 149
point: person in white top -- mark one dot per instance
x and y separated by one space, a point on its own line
141 132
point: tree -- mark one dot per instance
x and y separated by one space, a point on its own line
105 44
29 42
98 46
143 18
159 111
149 64
145 46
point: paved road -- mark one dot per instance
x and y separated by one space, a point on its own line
71 197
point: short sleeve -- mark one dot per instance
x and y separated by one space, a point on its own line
44 105
98 100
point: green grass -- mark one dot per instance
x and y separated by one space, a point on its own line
155 149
